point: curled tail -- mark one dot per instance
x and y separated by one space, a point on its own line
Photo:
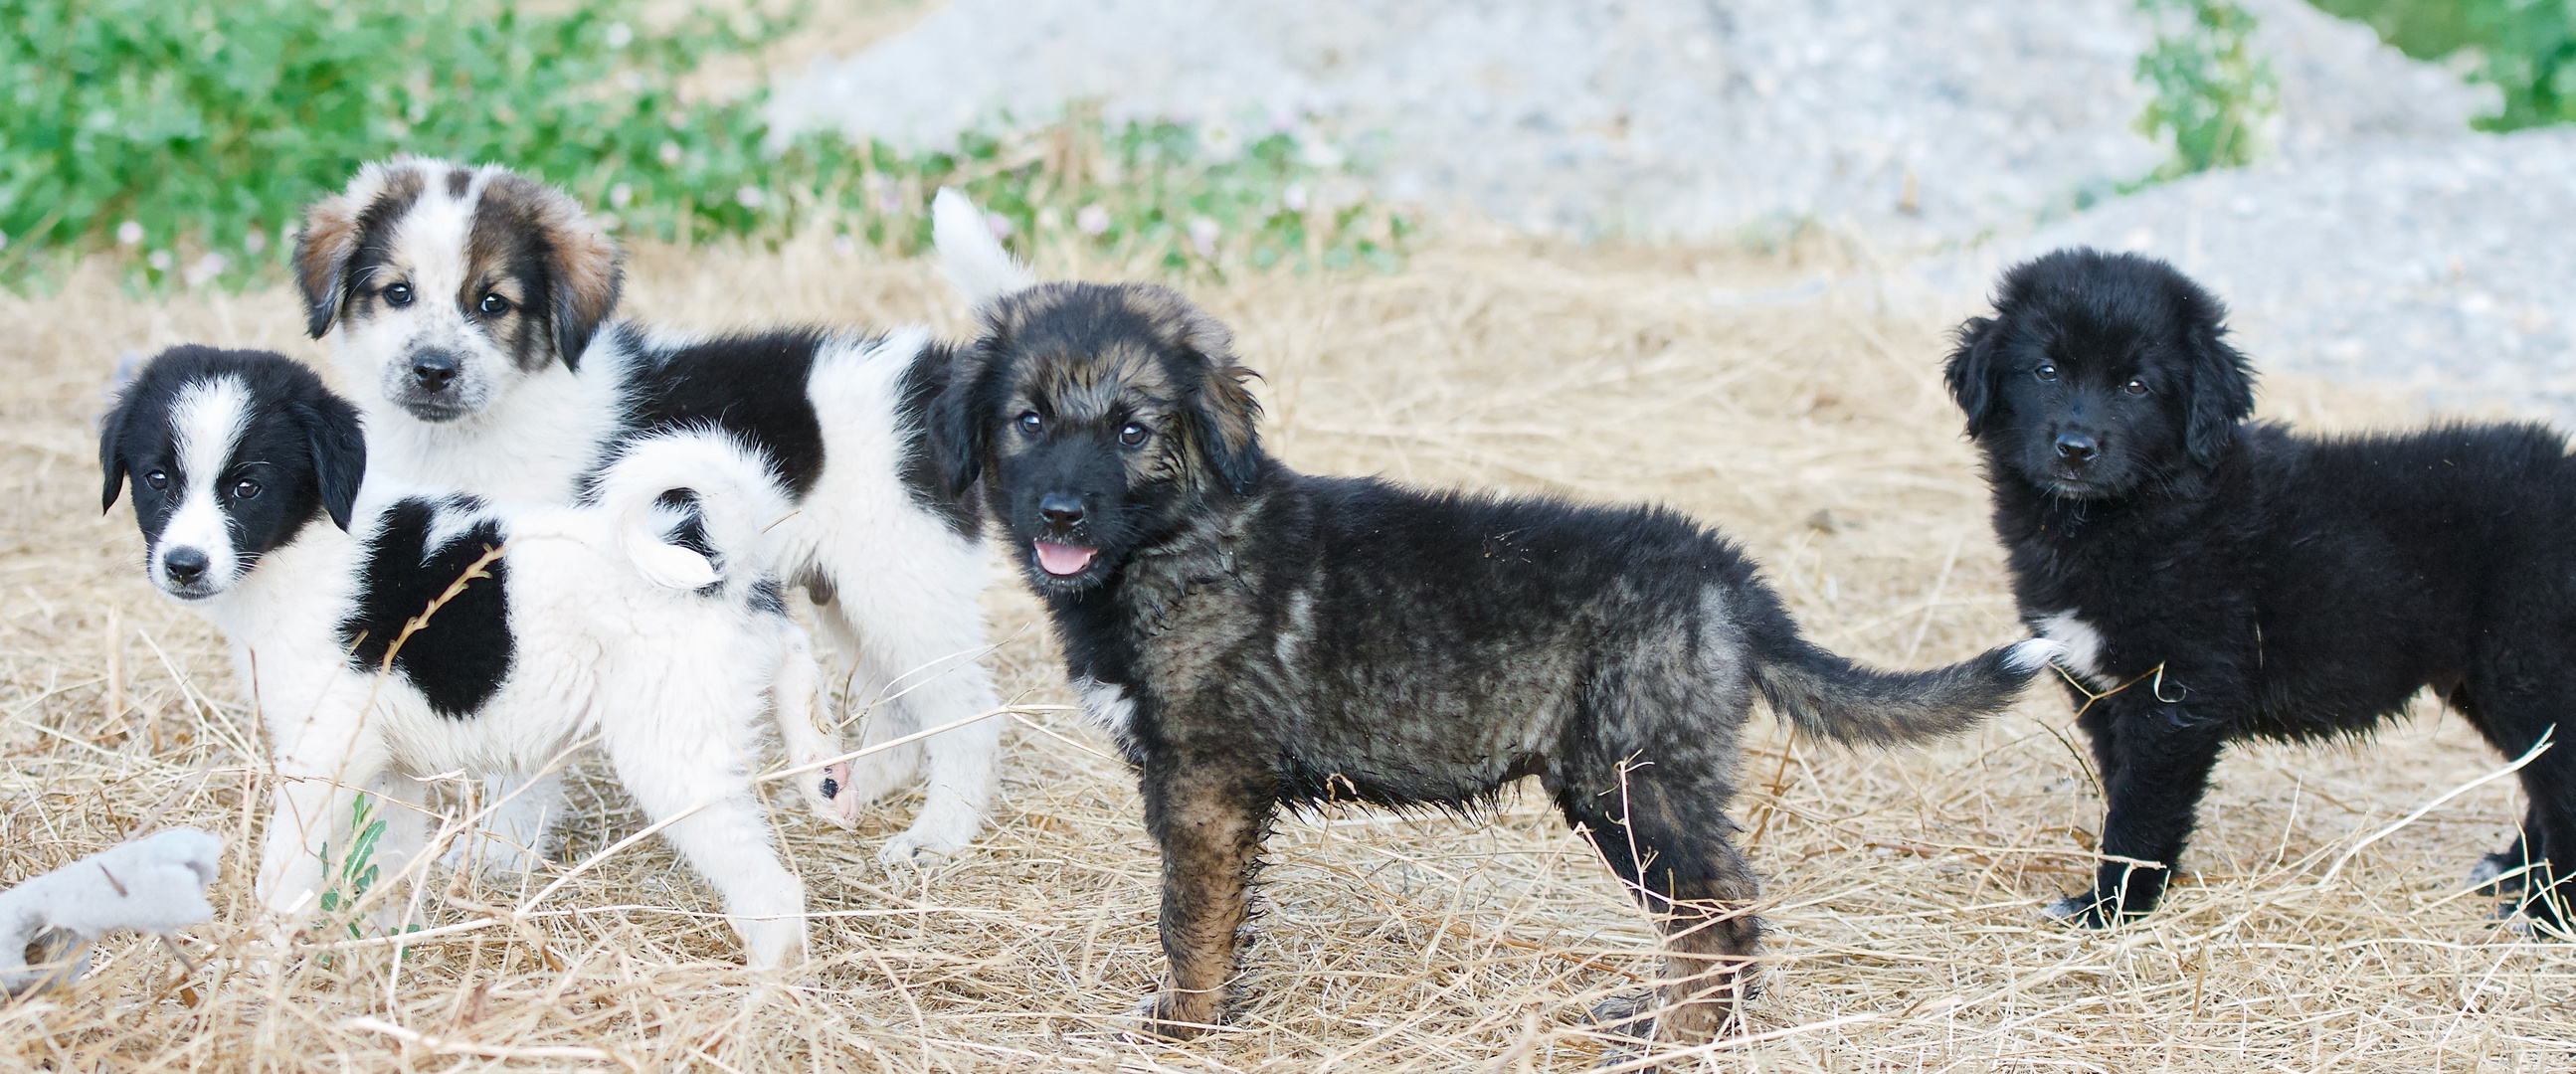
1824 694
688 505
969 255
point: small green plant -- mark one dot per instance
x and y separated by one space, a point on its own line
357 869
2212 93
186 136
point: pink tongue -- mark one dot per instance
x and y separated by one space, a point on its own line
1063 559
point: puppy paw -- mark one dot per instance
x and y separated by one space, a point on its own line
913 849
2500 873
2082 910
831 796
933 835
1628 1014
1159 1017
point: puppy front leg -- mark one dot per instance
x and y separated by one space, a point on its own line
310 827
686 762
2164 759
1209 817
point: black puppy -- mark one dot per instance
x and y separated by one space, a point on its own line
2214 580
1257 637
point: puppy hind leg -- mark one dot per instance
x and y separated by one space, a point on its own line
682 762
2549 838
1666 839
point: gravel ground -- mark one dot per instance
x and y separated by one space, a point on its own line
2446 266
2381 241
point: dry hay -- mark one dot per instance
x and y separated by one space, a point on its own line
1902 886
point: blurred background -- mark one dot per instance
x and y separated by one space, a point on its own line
2380 186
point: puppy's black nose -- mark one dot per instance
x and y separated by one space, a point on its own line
1061 510
433 370
2075 447
183 565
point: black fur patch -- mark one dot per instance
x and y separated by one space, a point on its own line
922 474
768 599
752 386
460 657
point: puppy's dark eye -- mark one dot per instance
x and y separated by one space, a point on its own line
1132 435
494 305
2135 387
398 295
245 489
2046 372
159 479
1030 423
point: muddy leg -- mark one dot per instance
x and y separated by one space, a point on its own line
1209 818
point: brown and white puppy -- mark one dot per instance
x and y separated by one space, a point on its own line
1258 638
472 305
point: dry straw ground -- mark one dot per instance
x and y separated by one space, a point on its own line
1902 886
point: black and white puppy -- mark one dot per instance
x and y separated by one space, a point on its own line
386 633
1258 638
472 304
2215 580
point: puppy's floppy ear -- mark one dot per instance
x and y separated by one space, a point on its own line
1971 372
960 415
1225 421
322 253
1224 418
588 272
2222 393
111 454
339 446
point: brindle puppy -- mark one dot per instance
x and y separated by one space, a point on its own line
1256 637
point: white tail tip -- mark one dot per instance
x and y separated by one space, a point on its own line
671 566
970 255
2033 654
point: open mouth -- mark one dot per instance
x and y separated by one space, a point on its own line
1064 560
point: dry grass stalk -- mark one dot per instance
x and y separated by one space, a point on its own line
1902 886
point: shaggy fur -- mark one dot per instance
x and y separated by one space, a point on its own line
2216 580
1257 638
375 650
473 303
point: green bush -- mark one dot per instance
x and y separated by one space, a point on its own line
2525 48
2211 92
185 136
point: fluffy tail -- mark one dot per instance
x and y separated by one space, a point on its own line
972 259
1823 694
689 504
